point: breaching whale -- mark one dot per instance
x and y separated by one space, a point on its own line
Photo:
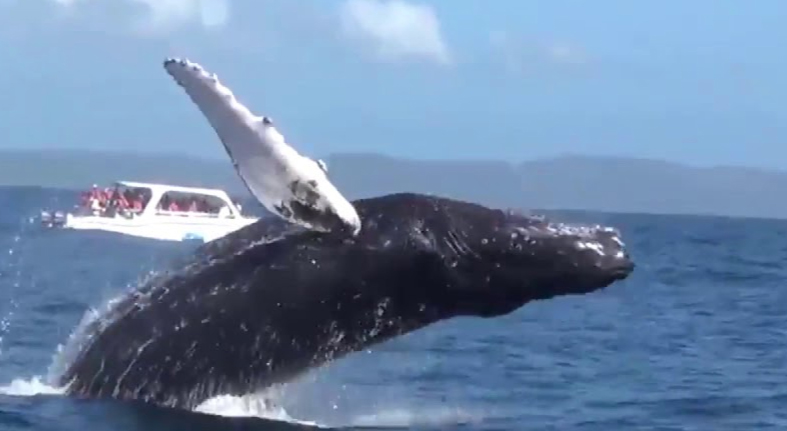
288 184
271 301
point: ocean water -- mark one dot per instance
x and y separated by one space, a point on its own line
693 340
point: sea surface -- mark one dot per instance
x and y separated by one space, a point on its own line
695 339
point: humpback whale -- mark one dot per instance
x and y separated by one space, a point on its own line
288 184
272 300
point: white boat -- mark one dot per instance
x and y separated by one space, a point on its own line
203 214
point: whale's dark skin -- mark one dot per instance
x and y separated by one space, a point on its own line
246 314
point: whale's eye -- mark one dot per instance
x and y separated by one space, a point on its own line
267 121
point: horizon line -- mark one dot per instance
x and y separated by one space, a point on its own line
531 210
607 157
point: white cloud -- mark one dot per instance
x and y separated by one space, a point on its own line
167 15
519 54
174 13
395 29
563 53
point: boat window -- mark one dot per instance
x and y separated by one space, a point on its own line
113 201
192 204
136 197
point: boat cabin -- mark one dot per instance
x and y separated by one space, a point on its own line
132 199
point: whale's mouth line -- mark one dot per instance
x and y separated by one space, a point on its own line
622 271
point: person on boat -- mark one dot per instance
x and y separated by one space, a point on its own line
122 202
94 203
103 197
128 196
95 206
91 195
206 207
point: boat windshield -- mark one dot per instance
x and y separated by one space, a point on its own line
193 204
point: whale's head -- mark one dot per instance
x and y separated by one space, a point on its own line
500 260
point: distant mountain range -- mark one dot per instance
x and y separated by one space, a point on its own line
569 182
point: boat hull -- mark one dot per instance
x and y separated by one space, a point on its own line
164 228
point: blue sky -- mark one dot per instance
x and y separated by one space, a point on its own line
700 82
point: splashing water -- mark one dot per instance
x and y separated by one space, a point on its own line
13 268
261 405
29 387
406 418
258 405
265 404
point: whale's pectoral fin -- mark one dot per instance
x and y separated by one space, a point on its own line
296 209
305 192
284 210
303 205
322 165
267 129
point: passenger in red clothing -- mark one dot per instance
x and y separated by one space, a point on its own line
122 202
